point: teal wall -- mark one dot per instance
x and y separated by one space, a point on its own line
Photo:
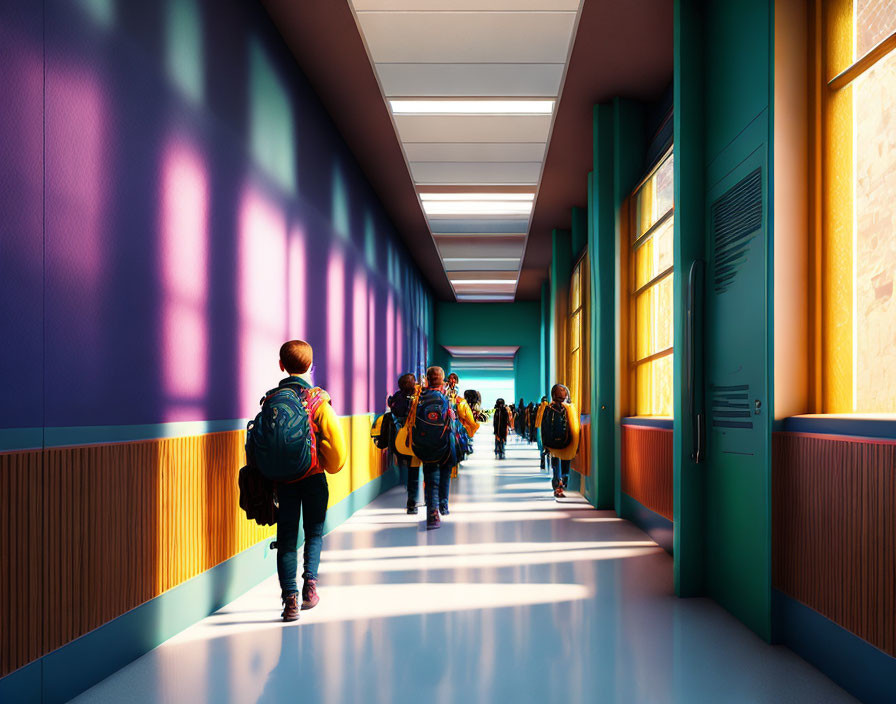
476 324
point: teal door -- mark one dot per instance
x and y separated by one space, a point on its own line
736 383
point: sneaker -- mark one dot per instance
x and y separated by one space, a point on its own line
443 508
412 508
291 607
560 493
309 594
433 520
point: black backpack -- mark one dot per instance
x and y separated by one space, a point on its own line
432 439
555 433
500 421
258 497
386 439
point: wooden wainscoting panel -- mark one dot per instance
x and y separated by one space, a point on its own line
22 587
581 463
834 530
647 467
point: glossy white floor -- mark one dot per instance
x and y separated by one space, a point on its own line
517 598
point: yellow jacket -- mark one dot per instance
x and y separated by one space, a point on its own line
575 430
331 450
465 415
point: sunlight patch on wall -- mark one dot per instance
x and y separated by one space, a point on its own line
271 121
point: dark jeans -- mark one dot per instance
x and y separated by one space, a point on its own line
436 479
413 477
561 471
310 494
499 447
545 457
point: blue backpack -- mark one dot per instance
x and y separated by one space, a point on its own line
432 439
281 442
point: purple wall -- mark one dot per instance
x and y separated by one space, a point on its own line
174 203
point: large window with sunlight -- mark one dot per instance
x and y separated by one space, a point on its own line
578 336
857 92
650 289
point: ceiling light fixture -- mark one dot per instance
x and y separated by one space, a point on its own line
483 297
485 282
491 260
472 107
477 196
474 207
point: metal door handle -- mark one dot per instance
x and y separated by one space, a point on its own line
694 366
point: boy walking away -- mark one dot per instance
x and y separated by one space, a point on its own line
430 423
501 424
293 441
400 405
560 435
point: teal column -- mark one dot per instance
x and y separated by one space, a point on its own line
689 42
601 243
561 268
579 232
543 379
629 147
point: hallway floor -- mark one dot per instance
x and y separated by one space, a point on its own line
517 598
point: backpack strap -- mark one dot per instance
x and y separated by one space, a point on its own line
412 414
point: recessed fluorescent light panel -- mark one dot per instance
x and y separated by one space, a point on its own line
490 260
478 196
475 207
483 297
472 107
485 282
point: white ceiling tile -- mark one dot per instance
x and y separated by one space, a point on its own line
480 246
453 151
470 80
474 5
467 37
476 262
476 172
473 128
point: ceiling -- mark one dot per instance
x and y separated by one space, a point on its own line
472 86
460 187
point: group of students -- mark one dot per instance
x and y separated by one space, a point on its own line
296 440
429 424
553 424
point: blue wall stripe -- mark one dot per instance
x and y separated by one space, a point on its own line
880 428
19 439
853 663
82 663
649 422
659 528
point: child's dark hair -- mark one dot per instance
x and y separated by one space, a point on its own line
407 383
472 397
559 393
296 356
435 376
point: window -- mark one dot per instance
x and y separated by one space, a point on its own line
577 334
650 288
858 207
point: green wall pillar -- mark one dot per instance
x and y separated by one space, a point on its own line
629 148
690 226
601 244
544 379
579 232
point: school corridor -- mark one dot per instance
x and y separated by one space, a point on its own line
258 257
517 598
